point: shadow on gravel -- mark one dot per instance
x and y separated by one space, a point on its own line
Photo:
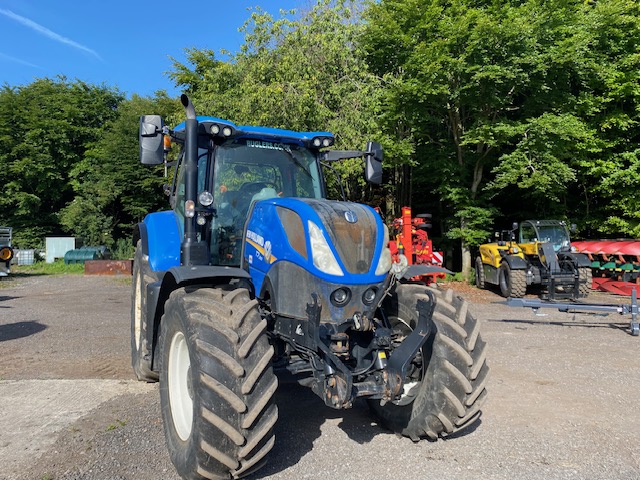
301 415
4 298
12 331
576 323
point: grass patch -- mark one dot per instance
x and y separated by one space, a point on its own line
118 424
43 268
459 277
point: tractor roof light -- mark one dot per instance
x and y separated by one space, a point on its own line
215 129
322 141
227 131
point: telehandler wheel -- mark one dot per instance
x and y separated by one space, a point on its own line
216 383
140 349
585 275
445 385
480 279
513 283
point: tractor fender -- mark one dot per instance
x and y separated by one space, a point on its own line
178 277
515 262
578 259
140 233
161 237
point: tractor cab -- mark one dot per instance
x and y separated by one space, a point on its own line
229 169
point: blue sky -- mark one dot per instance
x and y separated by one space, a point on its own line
123 44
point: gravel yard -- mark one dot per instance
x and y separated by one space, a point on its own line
563 399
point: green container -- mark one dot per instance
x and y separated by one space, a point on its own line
80 255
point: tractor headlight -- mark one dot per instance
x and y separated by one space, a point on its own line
323 258
384 264
340 297
369 296
205 198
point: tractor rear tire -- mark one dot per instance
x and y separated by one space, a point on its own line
480 278
585 277
141 353
513 283
216 383
449 375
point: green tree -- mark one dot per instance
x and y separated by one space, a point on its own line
303 72
113 191
512 106
454 71
45 130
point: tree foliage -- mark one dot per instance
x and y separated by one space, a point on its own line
45 129
113 191
489 111
514 107
299 72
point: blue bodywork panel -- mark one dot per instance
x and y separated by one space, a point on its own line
163 240
266 244
260 132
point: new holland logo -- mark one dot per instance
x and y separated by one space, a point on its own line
350 216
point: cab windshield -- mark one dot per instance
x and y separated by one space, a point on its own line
246 171
555 234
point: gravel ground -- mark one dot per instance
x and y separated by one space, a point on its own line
563 398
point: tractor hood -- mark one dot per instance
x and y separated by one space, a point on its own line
337 242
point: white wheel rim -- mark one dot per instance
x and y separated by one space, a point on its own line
178 378
137 311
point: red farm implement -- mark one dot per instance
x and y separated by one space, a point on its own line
615 264
410 244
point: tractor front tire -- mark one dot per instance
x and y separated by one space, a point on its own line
140 349
447 383
513 283
480 278
216 383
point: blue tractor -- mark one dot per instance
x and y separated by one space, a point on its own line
254 272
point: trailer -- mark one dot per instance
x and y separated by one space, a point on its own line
6 251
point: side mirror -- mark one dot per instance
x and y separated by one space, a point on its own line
151 140
373 167
573 228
